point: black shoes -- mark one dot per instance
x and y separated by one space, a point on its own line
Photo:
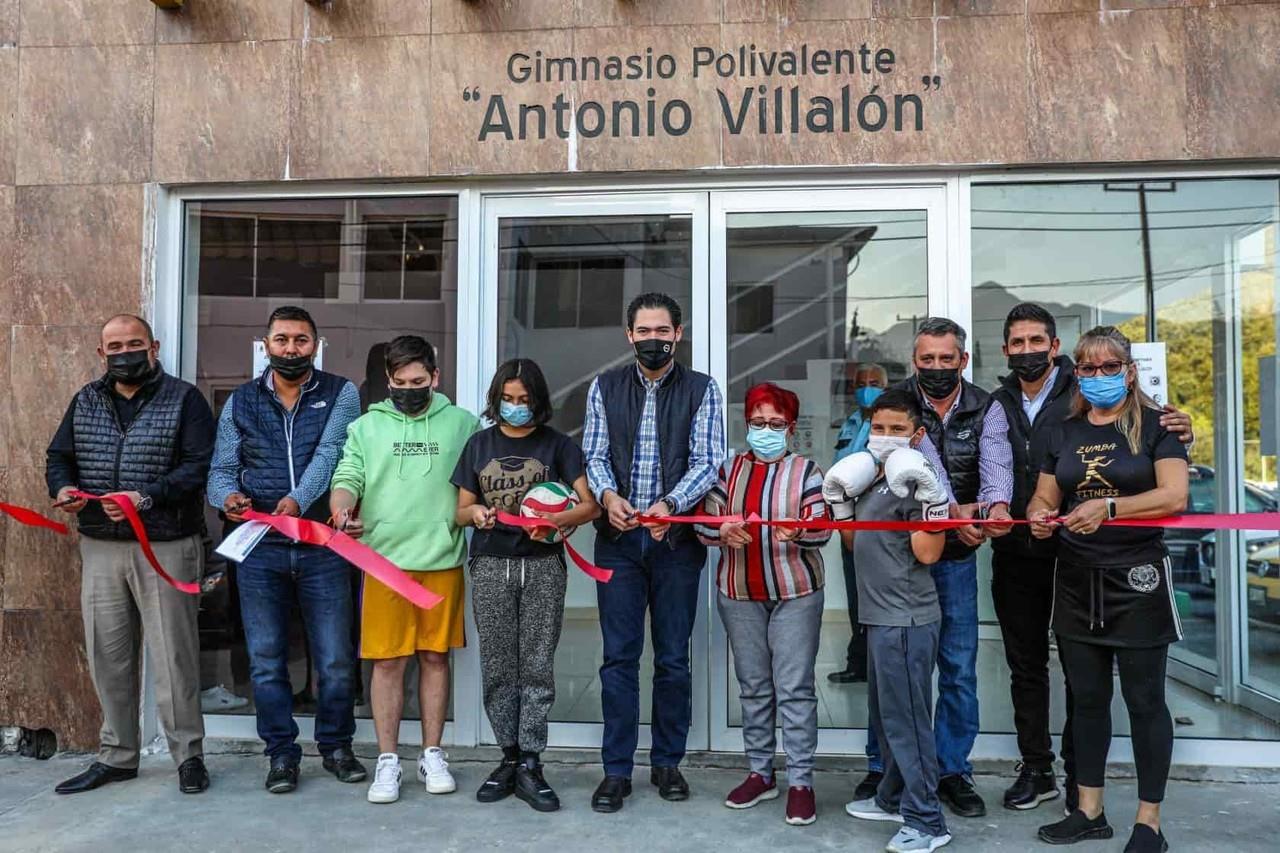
671 785
1146 840
846 676
960 796
868 787
1032 788
283 776
192 776
97 775
1076 827
610 794
343 764
531 787
502 781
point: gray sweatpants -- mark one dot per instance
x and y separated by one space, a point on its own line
900 696
774 646
519 608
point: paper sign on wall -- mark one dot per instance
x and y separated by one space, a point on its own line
1153 374
260 357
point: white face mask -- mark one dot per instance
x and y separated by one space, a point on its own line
880 446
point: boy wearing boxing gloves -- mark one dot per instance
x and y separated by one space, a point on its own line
897 601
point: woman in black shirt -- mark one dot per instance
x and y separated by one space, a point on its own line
1113 591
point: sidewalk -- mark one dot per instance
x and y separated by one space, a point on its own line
148 814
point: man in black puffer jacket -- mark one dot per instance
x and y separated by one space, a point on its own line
139 431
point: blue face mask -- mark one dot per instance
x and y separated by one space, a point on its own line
767 444
516 415
1104 392
866 395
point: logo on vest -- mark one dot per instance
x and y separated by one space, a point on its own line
1145 578
961 436
319 404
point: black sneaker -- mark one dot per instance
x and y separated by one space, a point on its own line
343 764
960 796
192 776
283 776
1144 839
532 788
1076 827
502 781
868 786
1032 788
846 676
1071 795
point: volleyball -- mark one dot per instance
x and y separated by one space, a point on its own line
548 497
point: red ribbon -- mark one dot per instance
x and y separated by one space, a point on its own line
590 569
1206 521
125 505
31 518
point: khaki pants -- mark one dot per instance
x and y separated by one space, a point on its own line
124 601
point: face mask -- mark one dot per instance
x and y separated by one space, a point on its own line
129 367
765 443
1104 392
866 395
516 415
291 368
937 382
654 353
1029 366
880 446
411 401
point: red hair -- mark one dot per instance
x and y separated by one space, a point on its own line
780 398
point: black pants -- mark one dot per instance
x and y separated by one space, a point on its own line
856 655
1142 675
1022 590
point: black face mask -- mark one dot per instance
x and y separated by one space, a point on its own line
654 353
1029 366
937 382
131 367
291 368
411 401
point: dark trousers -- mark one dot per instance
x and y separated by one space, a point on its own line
856 654
1022 589
665 581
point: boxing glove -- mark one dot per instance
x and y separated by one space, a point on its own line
847 479
906 470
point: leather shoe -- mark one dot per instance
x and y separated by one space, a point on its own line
671 785
610 793
192 776
97 775
960 796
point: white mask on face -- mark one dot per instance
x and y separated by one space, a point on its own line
880 446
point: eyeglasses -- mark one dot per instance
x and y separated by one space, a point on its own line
776 424
1107 368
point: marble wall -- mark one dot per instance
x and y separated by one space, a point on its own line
99 98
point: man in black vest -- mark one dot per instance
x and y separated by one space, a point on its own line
147 434
1036 395
654 441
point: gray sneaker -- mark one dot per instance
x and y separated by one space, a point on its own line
910 840
870 810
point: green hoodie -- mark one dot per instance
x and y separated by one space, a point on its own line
398 467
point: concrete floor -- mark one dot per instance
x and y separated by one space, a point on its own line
236 813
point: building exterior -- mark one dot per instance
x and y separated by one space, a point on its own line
809 177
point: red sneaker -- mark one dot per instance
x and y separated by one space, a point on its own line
752 791
801 808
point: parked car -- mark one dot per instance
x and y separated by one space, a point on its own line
1262 578
1192 549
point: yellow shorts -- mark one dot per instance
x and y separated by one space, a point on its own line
392 627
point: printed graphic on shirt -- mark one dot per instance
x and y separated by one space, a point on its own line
415 448
505 480
1096 457
1145 578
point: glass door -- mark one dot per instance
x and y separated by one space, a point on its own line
558 274
817 290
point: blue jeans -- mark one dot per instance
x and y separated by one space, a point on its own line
955 719
666 581
269 580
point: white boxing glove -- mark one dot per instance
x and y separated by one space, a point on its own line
847 479
906 469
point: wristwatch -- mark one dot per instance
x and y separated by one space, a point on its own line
145 503
1111 508
671 505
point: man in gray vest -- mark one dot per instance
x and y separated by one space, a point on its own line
139 431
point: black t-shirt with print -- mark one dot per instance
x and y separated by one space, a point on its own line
499 470
1095 462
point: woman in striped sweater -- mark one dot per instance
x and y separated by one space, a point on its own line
770 598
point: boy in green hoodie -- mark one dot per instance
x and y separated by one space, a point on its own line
395 468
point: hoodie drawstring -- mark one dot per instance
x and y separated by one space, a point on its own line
522 565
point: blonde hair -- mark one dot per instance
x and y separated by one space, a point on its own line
1111 341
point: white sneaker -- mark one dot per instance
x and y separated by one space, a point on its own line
868 809
433 770
386 779
910 840
219 700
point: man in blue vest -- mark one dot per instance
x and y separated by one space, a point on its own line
139 431
279 439
654 441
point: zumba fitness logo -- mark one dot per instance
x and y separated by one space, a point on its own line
765 92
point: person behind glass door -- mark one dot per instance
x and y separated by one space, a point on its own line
392 488
279 438
769 583
517 577
1113 586
654 440
869 381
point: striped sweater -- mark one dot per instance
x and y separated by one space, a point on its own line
768 570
